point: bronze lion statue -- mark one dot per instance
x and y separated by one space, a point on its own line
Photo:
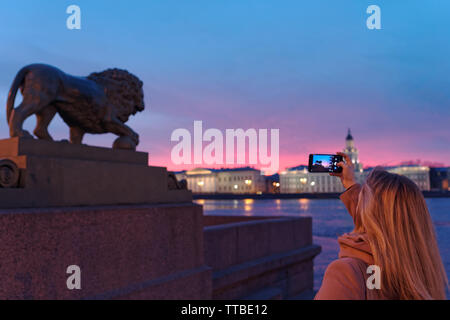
99 103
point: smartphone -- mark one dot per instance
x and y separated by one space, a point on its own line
324 163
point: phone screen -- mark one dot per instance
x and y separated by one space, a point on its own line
324 163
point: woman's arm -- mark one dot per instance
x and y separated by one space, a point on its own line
350 199
347 176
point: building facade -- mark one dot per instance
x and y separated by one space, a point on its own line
295 180
237 180
420 175
439 179
299 180
199 180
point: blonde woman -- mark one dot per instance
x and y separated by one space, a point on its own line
394 231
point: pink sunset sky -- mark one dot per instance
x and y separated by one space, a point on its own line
310 69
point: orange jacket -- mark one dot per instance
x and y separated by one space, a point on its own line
345 278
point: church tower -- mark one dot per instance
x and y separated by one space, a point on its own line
352 152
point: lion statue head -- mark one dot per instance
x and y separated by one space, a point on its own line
123 89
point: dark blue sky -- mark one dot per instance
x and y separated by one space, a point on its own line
310 68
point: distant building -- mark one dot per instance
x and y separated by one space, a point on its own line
240 180
420 175
448 178
273 183
439 179
236 180
299 180
199 180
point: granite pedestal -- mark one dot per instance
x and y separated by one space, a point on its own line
59 174
105 211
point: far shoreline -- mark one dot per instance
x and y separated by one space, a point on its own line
275 196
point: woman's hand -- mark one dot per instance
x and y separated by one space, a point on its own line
347 175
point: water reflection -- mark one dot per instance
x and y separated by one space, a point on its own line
304 204
330 216
249 201
278 202
248 206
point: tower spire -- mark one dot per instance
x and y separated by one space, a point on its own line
349 135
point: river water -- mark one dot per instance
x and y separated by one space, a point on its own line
330 219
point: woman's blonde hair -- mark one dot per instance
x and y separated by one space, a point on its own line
393 213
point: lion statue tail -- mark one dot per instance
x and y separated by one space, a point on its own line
17 83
